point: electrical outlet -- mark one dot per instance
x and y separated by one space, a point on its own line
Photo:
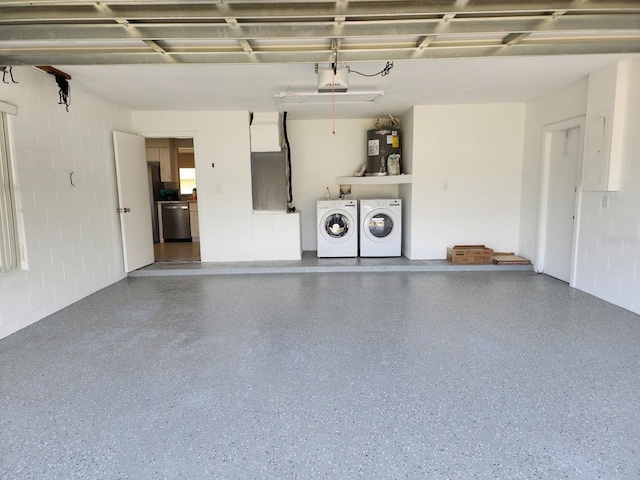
605 201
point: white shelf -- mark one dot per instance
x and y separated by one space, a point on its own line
374 180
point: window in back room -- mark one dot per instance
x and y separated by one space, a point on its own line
186 170
187 180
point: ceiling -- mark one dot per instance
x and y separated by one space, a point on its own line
242 55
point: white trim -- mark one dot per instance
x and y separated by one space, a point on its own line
9 258
8 108
548 131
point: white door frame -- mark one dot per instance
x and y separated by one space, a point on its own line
548 131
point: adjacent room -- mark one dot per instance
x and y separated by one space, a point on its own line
325 239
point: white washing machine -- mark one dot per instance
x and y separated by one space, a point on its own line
337 228
381 228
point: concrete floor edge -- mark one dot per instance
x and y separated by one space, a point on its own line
310 263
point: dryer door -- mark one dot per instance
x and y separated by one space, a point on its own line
380 225
337 227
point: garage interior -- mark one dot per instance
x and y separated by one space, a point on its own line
252 365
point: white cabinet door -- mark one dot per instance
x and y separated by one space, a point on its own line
165 165
162 155
153 154
193 218
605 128
596 164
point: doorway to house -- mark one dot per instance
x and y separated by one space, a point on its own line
173 198
560 199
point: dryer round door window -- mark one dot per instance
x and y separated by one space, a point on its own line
337 227
380 226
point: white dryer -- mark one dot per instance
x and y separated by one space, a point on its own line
337 228
381 228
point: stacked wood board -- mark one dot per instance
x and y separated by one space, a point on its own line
509 259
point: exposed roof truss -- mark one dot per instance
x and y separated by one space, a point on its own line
266 31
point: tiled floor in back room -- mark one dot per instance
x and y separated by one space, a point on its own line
373 375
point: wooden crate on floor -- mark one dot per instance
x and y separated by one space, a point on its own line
470 254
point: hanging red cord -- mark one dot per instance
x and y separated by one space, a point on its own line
333 101
333 109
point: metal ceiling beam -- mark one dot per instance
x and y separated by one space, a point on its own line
155 47
68 32
423 42
514 38
246 46
295 30
27 11
315 55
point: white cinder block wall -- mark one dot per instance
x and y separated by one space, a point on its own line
70 236
609 239
609 242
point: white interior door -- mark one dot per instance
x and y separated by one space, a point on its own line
133 199
561 202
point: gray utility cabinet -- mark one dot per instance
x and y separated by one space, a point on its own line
269 180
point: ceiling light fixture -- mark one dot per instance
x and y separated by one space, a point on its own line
316 98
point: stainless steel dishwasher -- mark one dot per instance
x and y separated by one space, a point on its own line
175 221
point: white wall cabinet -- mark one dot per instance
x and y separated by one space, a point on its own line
193 219
604 131
277 236
162 155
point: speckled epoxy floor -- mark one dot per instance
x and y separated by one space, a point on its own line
351 375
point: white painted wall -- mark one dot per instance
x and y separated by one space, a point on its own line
609 243
70 235
318 157
564 104
467 168
224 192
